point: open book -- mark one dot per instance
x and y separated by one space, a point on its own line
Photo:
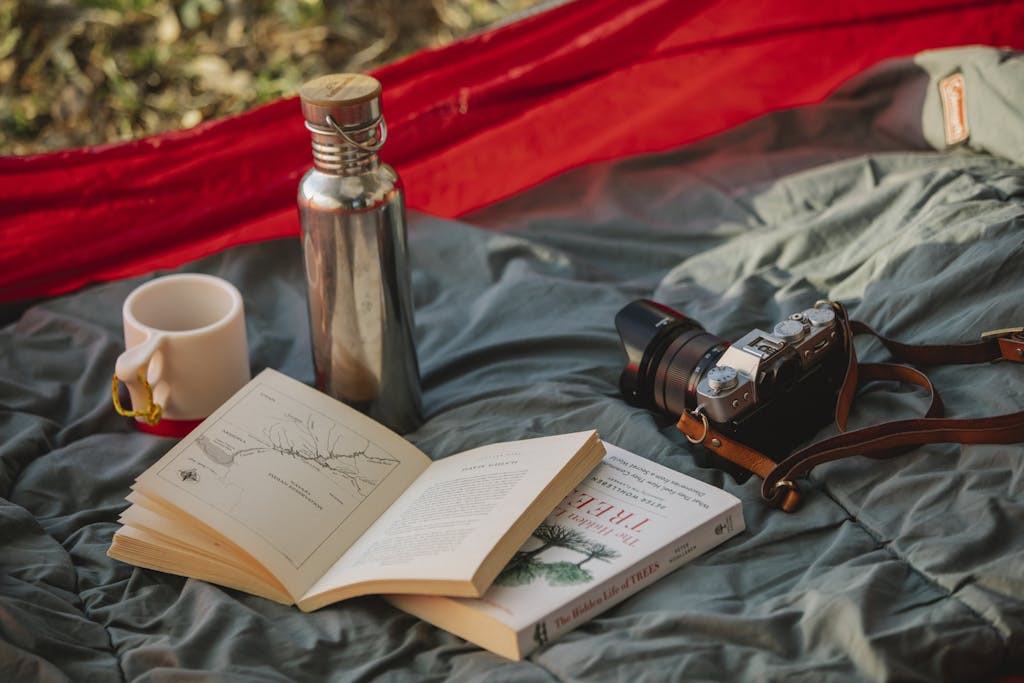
289 494
625 526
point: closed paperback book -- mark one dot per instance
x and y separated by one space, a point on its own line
625 526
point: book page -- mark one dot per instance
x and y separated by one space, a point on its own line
447 523
288 474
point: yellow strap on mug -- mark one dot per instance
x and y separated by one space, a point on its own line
151 414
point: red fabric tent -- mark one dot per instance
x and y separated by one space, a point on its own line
470 123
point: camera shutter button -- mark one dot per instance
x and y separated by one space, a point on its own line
722 378
790 331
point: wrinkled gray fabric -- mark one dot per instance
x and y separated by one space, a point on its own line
910 569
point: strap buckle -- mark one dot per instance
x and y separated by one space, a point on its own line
1011 342
784 494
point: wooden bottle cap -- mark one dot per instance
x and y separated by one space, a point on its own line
350 99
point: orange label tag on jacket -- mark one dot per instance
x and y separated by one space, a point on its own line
954 111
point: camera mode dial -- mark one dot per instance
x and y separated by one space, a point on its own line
722 378
790 331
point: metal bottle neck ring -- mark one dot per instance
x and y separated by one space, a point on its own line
346 133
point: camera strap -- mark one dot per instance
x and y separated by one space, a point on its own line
884 440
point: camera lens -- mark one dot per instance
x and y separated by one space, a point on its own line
667 354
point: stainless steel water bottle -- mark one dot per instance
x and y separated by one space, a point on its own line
352 211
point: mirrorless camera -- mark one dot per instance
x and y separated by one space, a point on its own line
768 390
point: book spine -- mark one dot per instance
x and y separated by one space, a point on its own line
640 574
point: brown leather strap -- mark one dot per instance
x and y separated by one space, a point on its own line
892 438
698 431
990 348
1011 346
883 440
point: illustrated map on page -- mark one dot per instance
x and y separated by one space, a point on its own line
272 447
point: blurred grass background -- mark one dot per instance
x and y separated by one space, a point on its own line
86 72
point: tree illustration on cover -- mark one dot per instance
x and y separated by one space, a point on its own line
525 566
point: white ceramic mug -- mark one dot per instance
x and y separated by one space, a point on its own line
186 351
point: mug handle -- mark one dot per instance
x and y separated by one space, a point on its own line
131 368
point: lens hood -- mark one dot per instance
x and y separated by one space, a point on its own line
646 328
